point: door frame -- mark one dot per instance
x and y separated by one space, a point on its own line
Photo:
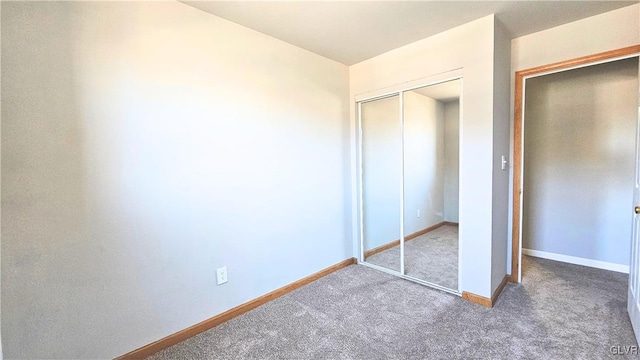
518 126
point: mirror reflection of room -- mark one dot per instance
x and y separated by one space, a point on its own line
419 152
381 160
431 143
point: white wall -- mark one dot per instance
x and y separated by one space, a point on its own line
451 163
424 158
579 161
609 31
143 146
500 205
468 47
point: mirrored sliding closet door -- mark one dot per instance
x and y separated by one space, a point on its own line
381 152
409 143
431 123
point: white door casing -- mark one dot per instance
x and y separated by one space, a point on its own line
633 300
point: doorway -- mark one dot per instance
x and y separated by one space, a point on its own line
566 205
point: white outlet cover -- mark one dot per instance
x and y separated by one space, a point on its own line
221 274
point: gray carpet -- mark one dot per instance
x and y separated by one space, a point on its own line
561 311
431 257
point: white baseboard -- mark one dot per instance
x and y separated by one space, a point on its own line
577 260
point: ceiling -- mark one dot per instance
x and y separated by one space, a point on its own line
353 31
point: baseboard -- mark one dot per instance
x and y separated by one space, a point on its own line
577 260
484 301
499 289
424 231
205 325
451 223
406 238
477 299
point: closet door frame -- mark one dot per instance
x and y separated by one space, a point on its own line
518 188
399 90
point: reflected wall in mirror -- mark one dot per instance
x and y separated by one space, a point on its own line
381 164
431 138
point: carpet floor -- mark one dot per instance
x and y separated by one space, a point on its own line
560 311
431 257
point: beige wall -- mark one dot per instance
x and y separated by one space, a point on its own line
143 146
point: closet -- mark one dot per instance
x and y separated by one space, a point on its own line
408 142
579 153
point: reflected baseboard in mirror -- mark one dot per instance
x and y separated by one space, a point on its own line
430 255
389 245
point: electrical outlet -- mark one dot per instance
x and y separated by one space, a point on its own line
418 215
222 275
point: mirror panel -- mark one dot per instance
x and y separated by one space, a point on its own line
431 138
381 160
